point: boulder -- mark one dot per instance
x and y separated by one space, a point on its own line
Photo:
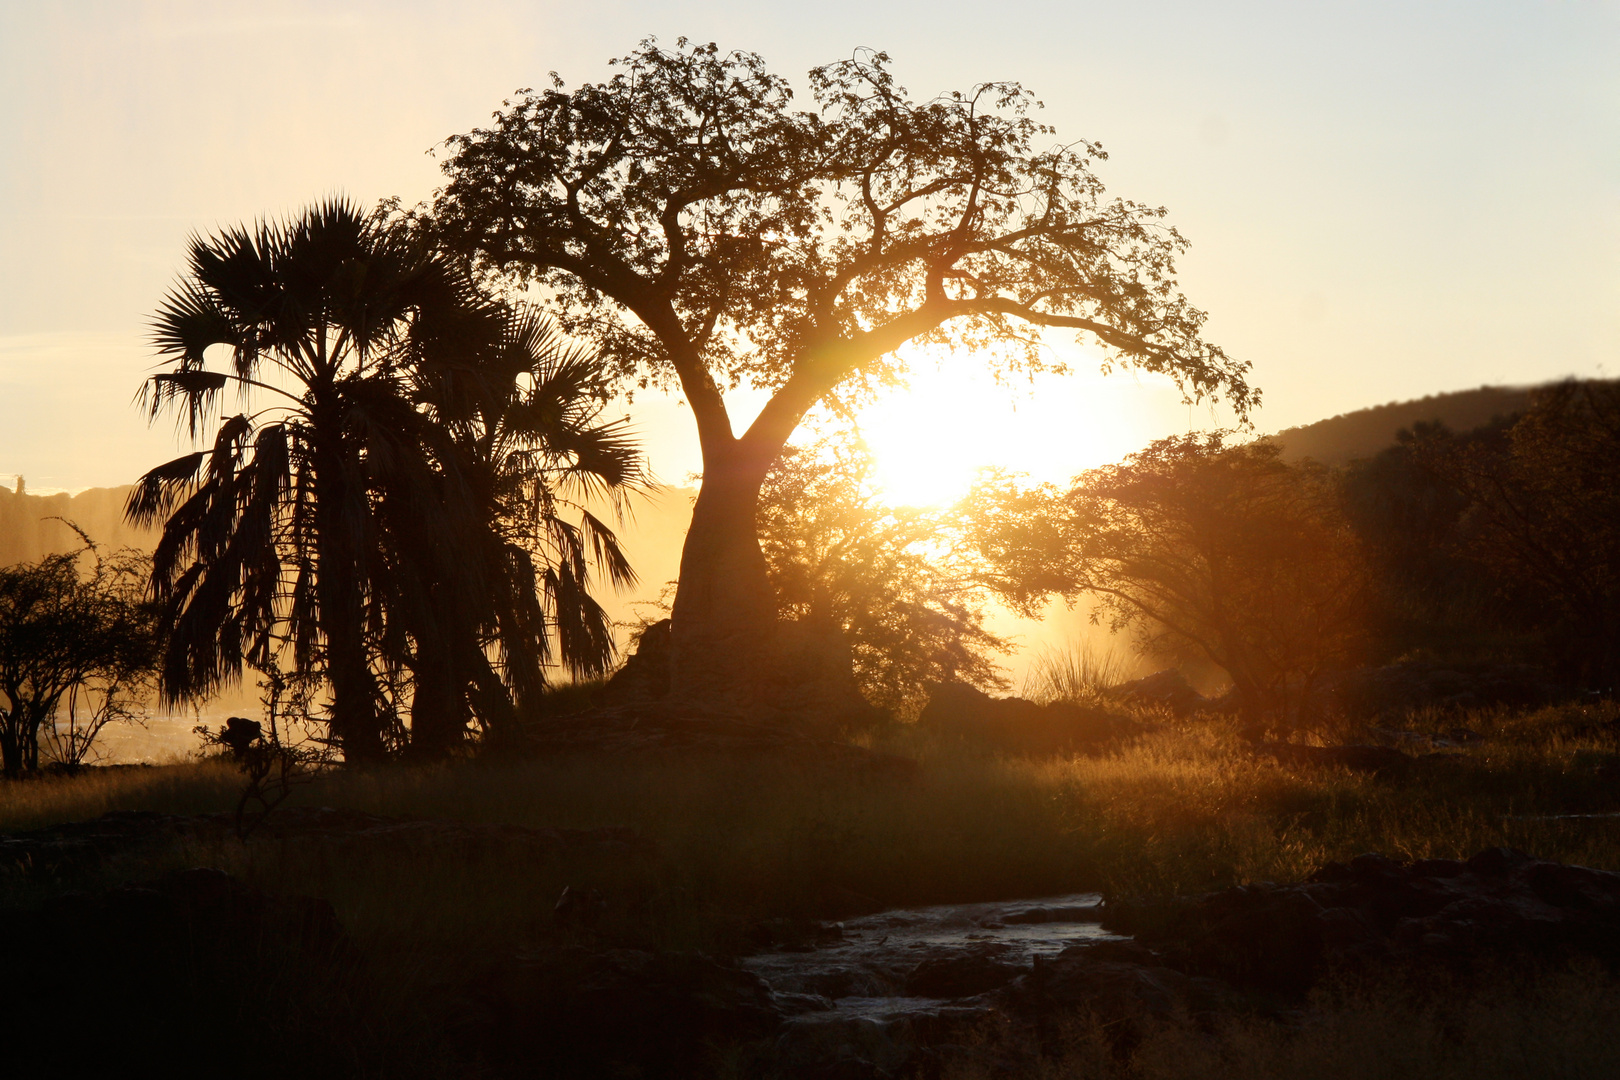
805 680
1167 688
1500 904
645 674
580 1012
1015 725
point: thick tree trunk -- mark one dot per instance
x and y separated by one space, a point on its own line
724 619
11 762
438 710
728 649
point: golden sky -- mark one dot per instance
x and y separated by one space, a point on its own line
1385 200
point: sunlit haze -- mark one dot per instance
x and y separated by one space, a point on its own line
1384 200
931 437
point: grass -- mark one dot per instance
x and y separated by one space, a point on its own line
1185 809
1081 671
1557 1025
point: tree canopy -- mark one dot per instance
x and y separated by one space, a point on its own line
1543 517
897 580
698 230
689 220
83 643
1198 544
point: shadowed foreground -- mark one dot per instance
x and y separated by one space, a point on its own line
442 950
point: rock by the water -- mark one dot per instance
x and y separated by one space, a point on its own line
1373 910
579 1012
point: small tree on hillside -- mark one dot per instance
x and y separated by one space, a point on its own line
894 579
1544 516
699 230
74 647
1196 544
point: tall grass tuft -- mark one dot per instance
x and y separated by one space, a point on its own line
1080 672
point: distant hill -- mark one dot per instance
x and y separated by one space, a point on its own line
27 531
1363 433
652 538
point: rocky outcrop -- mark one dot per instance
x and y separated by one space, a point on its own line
1167 689
644 675
614 1012
902 992
1499 904
805 681
1017 726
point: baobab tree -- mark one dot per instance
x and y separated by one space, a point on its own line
700 231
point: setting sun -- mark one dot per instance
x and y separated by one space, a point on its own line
931 437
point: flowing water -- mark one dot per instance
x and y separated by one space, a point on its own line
904 962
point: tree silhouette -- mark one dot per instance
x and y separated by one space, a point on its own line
1225 550
699 231
320 529
83 643
1543 517
907 595
518 446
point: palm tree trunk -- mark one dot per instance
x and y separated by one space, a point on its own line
355 722
439 709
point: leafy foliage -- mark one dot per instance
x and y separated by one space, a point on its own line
77 652
1543 517
699 230
1198 544
382 521
775 242
1431 597
893 578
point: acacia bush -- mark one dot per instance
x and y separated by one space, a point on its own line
1198 546
78 651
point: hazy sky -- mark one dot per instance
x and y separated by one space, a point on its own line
1385 200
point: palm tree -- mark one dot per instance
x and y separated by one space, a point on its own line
315 530
518 445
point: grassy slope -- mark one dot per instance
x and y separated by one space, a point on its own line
1361 434
1186 809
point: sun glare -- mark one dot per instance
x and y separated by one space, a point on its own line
931 438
